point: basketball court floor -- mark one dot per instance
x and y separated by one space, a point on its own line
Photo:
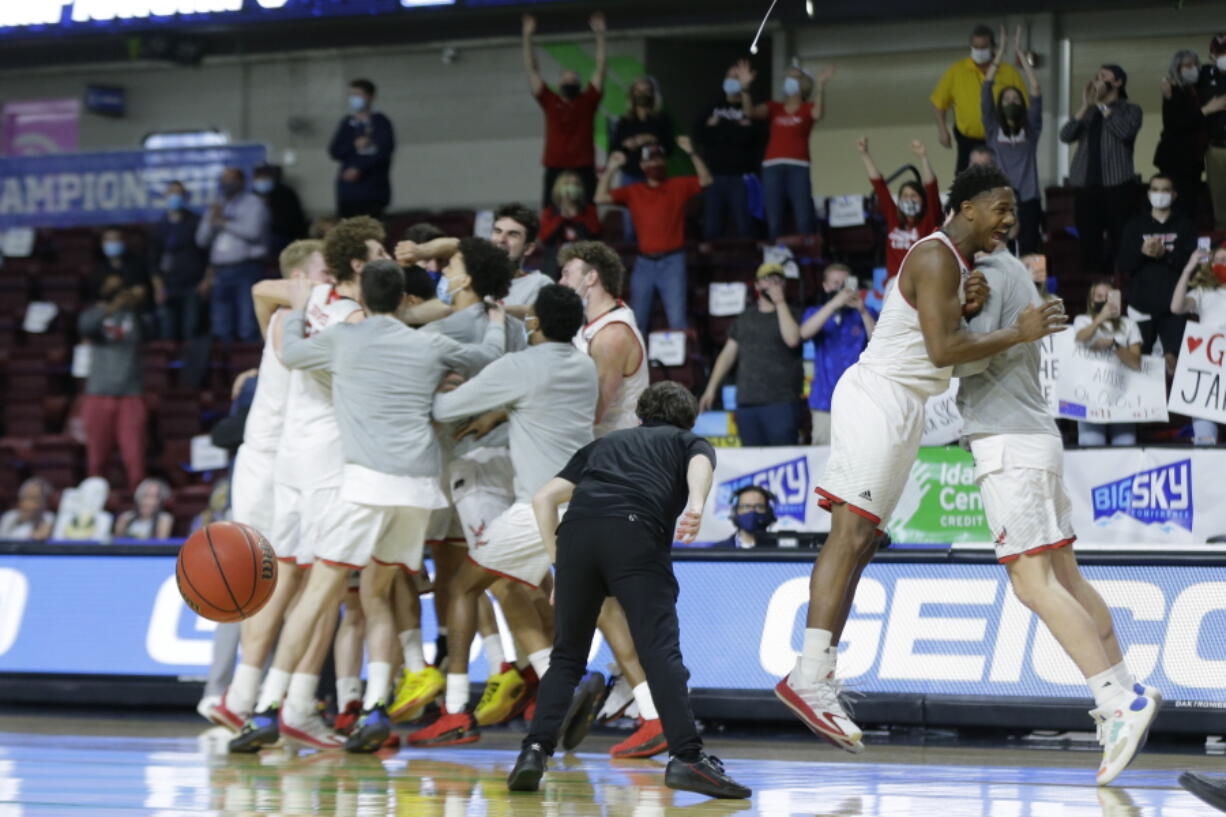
105 766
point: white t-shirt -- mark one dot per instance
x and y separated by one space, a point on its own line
1209 305
1127 334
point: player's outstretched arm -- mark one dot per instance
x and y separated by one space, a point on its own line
545 508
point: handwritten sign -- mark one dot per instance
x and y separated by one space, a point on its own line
1198 389
942 420
1097 387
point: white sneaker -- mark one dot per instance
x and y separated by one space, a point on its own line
819 708
620 697
1153 693
309 730
1122 733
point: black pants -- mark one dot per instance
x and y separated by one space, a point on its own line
627 559
586 174
1030 223
1165 325
965 145
1100 210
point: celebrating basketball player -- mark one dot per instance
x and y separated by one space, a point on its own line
877 420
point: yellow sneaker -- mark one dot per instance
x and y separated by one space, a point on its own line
502 693
414 692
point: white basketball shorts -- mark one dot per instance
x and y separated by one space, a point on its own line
1021 479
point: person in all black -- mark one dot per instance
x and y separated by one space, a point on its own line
1211 93
363 145
178 266
1181 147
286 220
732 144
626 491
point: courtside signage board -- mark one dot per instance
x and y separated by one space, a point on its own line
923 628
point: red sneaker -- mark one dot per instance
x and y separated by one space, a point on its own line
448 730
527 701
392 742
647 741
346 719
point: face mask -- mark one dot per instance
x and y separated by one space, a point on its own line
263 185
791 87
112 249
1098 306
1219 272
175 201
229 189
1012 111
441 290
1220 62
570 90
910 207
357 103
981 55
1160 201
1189 75
570 192
656 172
732 86
752 521
645 100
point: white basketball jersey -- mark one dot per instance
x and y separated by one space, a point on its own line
896 350
310 454
620 413
266 417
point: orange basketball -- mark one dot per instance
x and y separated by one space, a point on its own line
226 571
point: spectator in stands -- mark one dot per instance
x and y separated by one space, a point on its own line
178 266
753 512
1154 248
148 518
218 509
363 145
657 207
1104 328
1012 130
570 112
982 155
729 142
82 516
31 520
960 87
286 220
1037 264
645 124
569 216
118 260
235 232
764 345
1105 130
917 213
1202 289
840 329
1211 91
1181 148
113 409
786 180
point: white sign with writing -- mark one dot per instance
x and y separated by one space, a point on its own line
1198 389
726 298
206 456
1056 349
1097 387
845 211
666 347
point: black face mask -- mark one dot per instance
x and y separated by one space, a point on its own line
1012 111
570 90
644 100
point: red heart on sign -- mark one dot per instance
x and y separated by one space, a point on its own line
1194 344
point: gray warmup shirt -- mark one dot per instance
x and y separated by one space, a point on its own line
384 376
549 391
1006 397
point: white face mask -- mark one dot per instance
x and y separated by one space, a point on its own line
1220 62
910 208
1159 201
1189 75
981 55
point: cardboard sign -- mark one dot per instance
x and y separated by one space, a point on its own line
206 456
726 298
1198 389
845 211
1096 387
666 347
1055 350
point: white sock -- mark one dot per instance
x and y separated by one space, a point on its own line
457 692
347 691
276 682
1126 679
647 707
300 699
817 658
540 661
378 682
1108 692
244 689
414 658
493 652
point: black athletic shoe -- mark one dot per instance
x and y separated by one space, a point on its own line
1208 789
704 776
260 730
526 776
370 732
583 708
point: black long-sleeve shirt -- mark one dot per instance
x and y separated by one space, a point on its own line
1153 279
1181 149
733 145
659 125
374 186
1213 83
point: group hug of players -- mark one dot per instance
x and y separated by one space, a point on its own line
386 421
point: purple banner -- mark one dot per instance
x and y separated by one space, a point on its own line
40 126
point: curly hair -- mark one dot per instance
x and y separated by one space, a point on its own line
489 267
972 182
668 402
346 242
559 310
600 257
522 215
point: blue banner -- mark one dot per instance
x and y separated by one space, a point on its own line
951 629
115 187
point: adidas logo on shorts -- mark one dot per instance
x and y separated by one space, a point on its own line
867 495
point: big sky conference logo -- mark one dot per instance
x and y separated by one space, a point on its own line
788 481
1159 496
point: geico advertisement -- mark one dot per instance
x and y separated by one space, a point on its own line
1133 496
937 628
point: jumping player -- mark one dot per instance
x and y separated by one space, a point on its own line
877 420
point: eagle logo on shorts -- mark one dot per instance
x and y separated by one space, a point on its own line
477 532
1000 537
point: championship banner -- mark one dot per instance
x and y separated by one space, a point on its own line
1197 390
119 187
1096 387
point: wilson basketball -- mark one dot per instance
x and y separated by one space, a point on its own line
226 571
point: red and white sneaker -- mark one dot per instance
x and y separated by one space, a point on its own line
448 730
347 718
214 709
309 731
648 740
818 707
